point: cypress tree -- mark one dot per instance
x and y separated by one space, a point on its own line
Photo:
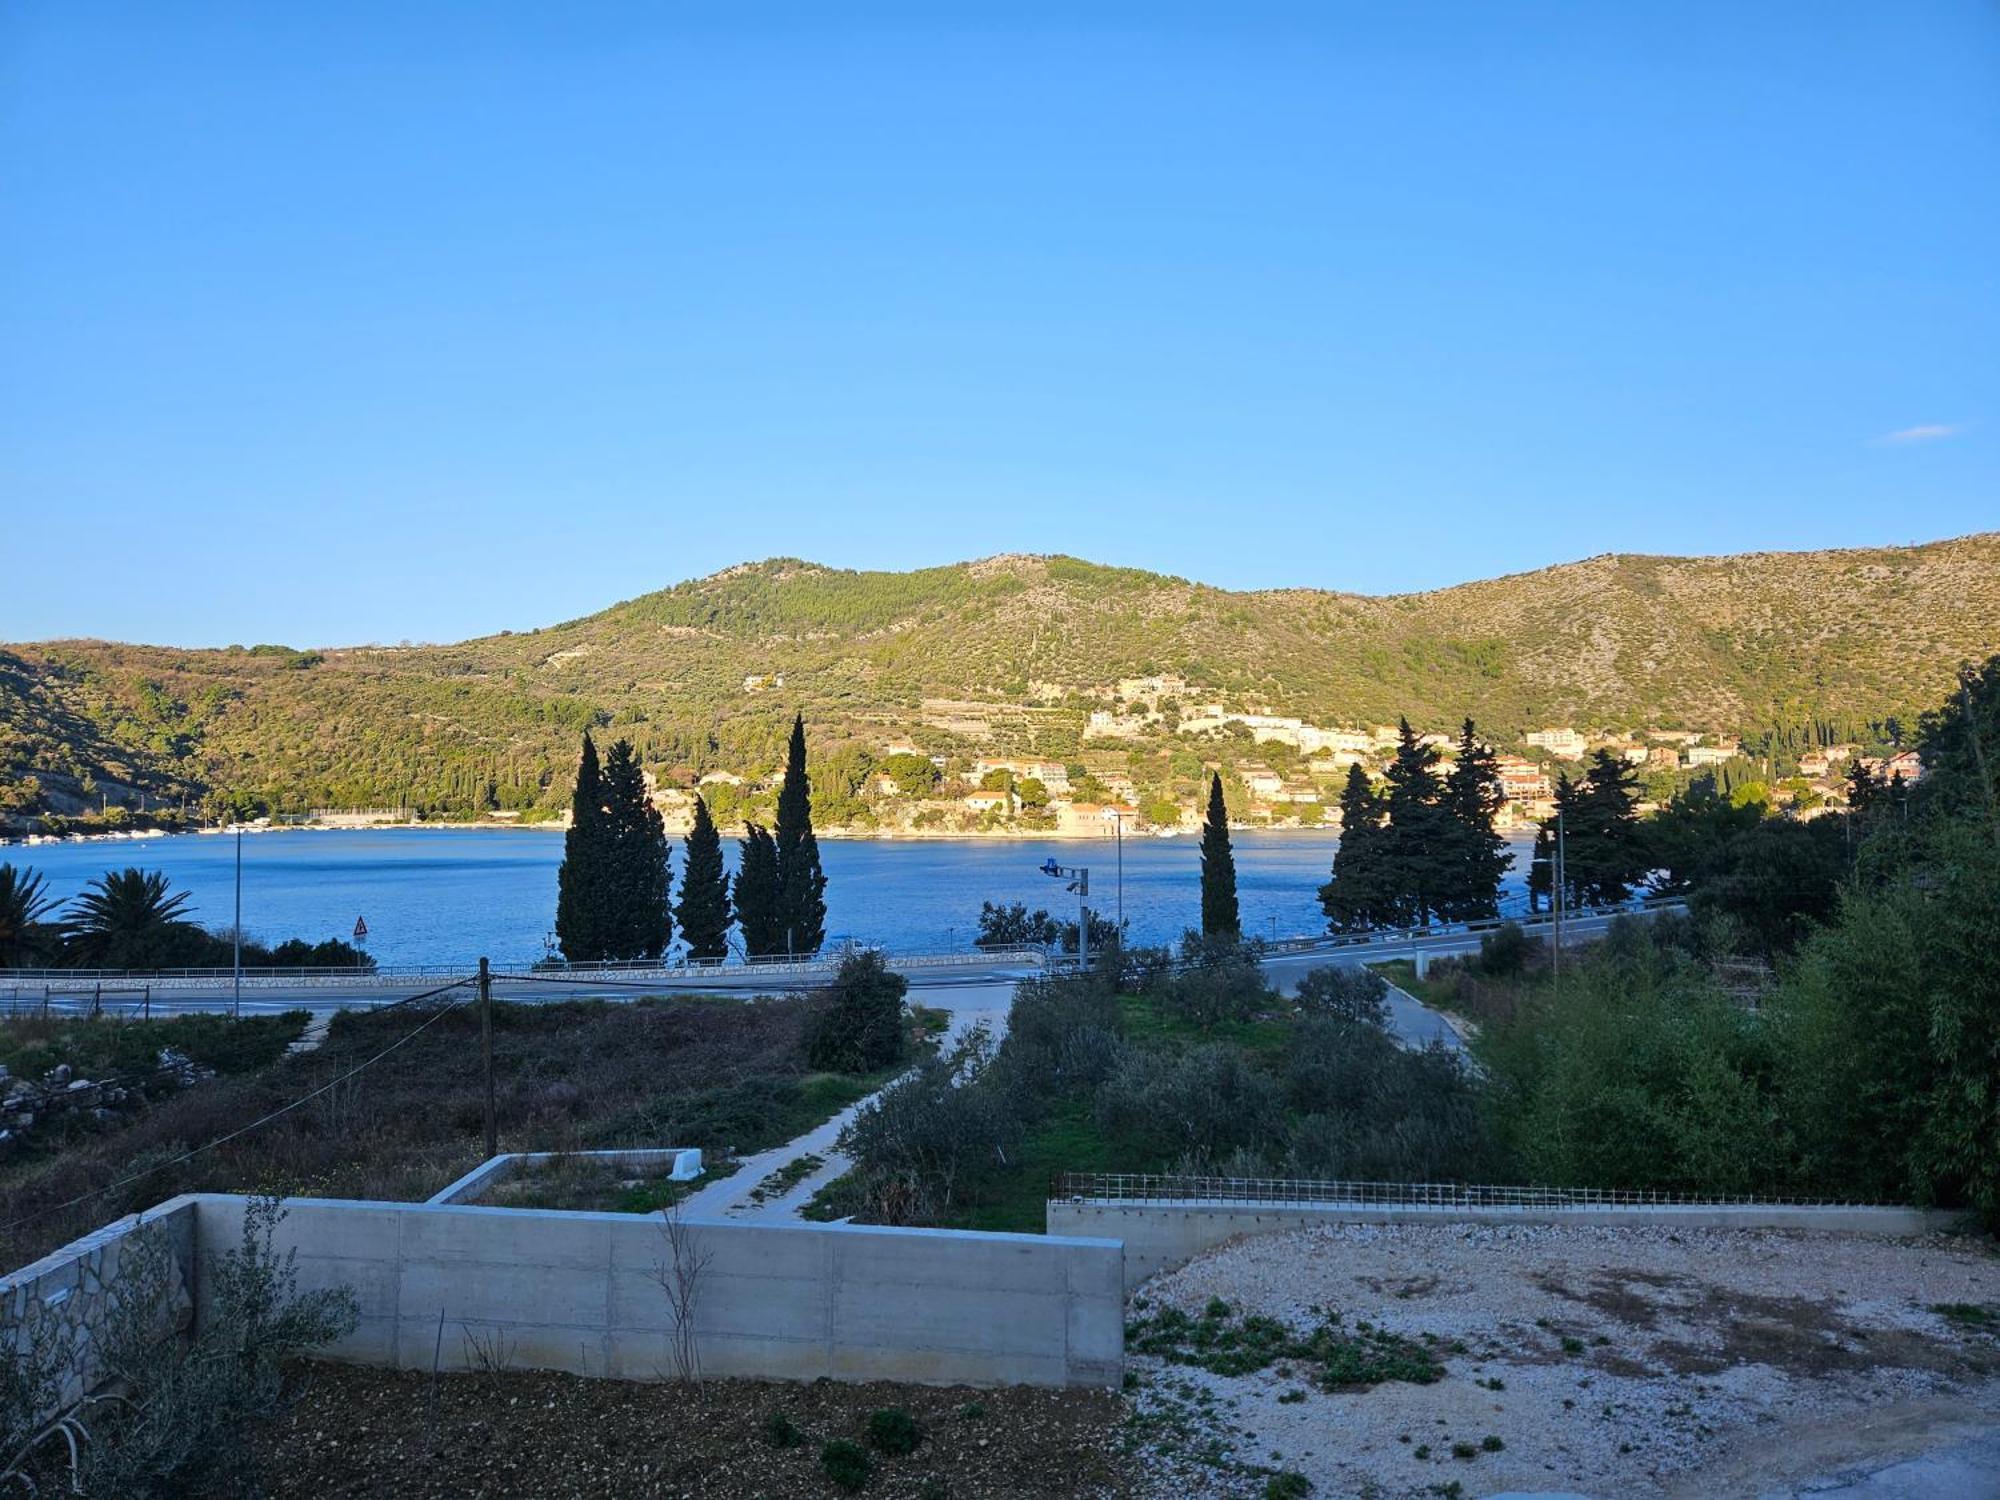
1864 788
704 903
639 919
581 878
1219 915
757 893
1473 797
801 882
1418 858
1355 898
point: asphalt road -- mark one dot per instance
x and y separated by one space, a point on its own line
938 984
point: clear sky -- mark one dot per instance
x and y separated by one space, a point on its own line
368 321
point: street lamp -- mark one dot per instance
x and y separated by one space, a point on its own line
236 936
1079 881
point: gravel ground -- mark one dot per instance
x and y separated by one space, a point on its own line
376 1432
1606 1361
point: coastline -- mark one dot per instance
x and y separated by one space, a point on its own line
841 835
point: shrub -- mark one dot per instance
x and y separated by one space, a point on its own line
1639 1071
1218 981
844 1463
780 1431
931 1131
182 1426
893 1430
1504 952
857 1022
1062 1036
1345 994
1207 1099
1287 1486
1371 1109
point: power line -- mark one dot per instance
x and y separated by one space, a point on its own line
243 1130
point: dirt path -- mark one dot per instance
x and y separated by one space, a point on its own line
778 1183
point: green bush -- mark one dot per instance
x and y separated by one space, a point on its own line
780 1431
1504 952
182 1424
844 1463
1206 1100
1287 1486
857 1022
1345 994
893 1430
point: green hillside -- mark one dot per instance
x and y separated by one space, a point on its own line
1004 655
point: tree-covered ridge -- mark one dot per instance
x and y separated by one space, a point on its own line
1005 655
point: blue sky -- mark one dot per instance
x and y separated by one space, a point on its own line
379 321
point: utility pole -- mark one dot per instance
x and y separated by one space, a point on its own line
1118 819
486 1055
1562 903
236 940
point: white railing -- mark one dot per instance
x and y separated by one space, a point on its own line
1166 1188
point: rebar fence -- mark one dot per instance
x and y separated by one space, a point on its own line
1171 1188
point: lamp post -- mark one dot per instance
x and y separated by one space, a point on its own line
1118 820
1079 881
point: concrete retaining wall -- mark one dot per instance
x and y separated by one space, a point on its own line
1160 1236
577 1292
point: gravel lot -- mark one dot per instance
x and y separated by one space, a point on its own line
1607 1361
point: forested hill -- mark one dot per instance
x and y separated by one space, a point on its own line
1006 654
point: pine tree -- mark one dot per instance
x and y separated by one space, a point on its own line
1603 855
639 916
801 881
704 903
581 879
1473 797
1220 917
1418 864
757 893
1356 898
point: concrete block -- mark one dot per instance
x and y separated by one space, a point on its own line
780 1251
1094 1331
882 1316
648 1356
373 1342
1096 1268
946 1367
942 1259
376 1284
483 1236
517 1293
349 1231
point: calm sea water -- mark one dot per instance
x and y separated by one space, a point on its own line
447 895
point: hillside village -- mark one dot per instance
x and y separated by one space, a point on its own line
1141 761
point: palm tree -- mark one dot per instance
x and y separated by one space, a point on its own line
24 901
124 920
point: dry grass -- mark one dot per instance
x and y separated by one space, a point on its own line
726 1076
